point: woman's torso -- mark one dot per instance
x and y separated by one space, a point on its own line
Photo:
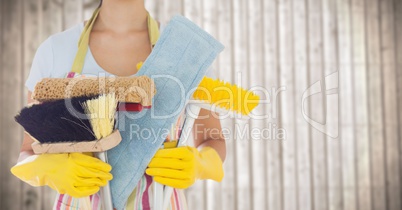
110 61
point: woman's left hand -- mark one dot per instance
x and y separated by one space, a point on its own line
181 167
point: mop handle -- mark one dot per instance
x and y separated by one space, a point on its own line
105 193
192 113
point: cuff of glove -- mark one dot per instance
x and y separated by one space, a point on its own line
19 170
27 160
213 168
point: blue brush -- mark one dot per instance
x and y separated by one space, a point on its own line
177 64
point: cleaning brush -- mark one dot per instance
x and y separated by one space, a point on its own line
53 121
226 96
85 125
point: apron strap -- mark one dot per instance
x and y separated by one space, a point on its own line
78 64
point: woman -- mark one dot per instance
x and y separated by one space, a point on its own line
120 39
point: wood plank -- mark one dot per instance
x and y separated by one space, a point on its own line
30 44
304 182
193 11
274 195
361 110
336 65
375 105
89 7
210 8
316 105
287 101
398 40
242 139
72 13
52 18
257 125
171 8
11 81
390 104
3 190
225 72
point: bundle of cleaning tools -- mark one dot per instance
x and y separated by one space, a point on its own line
66 114
85 120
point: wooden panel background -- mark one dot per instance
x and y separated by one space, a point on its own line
281 49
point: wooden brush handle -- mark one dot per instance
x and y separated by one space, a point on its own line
101 145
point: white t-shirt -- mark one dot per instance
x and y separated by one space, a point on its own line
55 56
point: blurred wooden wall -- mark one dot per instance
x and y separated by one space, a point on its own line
285 43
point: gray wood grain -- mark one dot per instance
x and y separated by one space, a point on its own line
377 137
337 72
287 102
3 161
361 112
398 34
11 97
390 104
274 195
31 25
260 139
317 104
72 13
303 141
289 43
375 90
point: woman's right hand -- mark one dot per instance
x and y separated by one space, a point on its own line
75 174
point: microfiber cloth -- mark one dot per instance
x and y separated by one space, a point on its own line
177 64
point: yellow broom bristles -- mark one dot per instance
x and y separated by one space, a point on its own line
225 95
101 112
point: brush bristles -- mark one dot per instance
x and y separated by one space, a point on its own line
101 112
57 121
225 95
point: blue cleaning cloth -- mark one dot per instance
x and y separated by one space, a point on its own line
177 65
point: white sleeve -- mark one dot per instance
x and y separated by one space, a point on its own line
42 64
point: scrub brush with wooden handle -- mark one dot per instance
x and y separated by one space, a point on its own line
82 124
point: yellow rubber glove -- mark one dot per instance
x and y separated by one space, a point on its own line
181 167
75 174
